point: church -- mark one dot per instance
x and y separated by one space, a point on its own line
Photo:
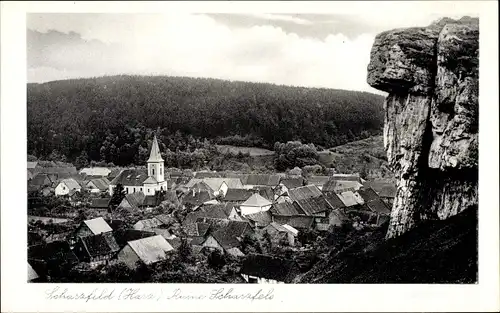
146 181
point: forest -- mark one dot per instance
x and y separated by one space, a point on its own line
112 118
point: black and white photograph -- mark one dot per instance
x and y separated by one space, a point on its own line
264 148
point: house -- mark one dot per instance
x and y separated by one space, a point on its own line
376 205
193 198
95 171
351 199
96 249
67 186
197 230
318 181
386 190
218 186
149 181
313 203
148 250
286 208
97 185
254 204
100 204
267 269
255 180
341 185
32 274
291 183
91 227
279 234
227 238
147 224
123 236
300 222
237 195
132 202
260 219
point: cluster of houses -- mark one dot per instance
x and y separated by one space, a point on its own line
221 210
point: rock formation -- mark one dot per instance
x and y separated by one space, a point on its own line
431 117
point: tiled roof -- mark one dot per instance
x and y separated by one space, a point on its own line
95 171
310 199
100 203
262 180
384 189
291 183
165 219
238 195
101 244
130 177
256 200
196 198
97 225
196 229
287 208
334 199
215 183
318 180
279 227
299 222
269 267
341 185
368 194
261 219
123 236
71 183
212 211
100 183
151 249
379 206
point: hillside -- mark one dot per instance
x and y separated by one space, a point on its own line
365 156
81 114
435 252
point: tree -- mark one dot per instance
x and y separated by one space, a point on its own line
82 160
117 197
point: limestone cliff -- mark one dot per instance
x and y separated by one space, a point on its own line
431 117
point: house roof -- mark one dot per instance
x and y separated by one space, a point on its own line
310 199
334 199
95 171
130 177
261 179
155 155
384 189
40 180
212 211
135 198
269 267
379 206
100 183
31 273
162 231
224 207
116 224
291 183
261 219
318 180
235 252
229 236
216 183
350 198
71 183
299 222
97 225
52 251
151 249
256 200
123 236
368 194
286 208
341 185
265 191
279 227
101 244
165 219
238 195
32 164
196 229
346 177
100 203
291 229
174 242
147 223
196 198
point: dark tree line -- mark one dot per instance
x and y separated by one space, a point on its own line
112 119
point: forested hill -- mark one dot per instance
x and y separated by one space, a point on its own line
81 114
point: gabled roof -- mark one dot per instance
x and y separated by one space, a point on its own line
269 267
379 206
262 179
279 227
32 164
256 200
238 195
95 171
135 199
265 191
229 236
334 200
155 155
368 194
40 180
130 177
310 199
100 203
101 244
123 236
341 185
196 198
71 183
291 183
97 225
100 183
261 219
384 189
151 249
318 180
287 208
196 229
350 198
216 183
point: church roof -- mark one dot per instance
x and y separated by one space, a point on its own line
130 177
155 155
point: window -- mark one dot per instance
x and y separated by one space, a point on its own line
148 190
134 189
141 188
160 171
152 171
252 280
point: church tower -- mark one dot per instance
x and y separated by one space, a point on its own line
155 163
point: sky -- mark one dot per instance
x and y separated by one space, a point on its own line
311 50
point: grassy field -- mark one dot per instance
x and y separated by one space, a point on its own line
251 150
366 155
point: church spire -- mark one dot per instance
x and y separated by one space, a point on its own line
155 155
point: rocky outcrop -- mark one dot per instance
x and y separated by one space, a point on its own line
431 117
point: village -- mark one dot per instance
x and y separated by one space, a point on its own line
254 228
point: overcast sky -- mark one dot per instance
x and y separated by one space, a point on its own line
292 49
